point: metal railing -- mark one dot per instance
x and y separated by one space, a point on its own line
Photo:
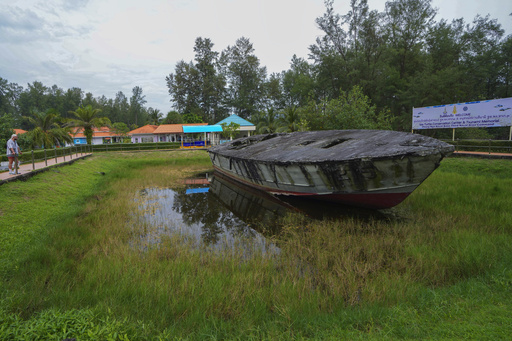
45 155
485 146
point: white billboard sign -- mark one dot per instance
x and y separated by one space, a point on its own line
484 114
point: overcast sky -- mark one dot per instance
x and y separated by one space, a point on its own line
106 46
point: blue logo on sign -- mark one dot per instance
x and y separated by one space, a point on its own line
465 108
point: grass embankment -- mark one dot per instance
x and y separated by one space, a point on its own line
441 269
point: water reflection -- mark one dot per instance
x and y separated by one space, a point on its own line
198 211
217 212
258 209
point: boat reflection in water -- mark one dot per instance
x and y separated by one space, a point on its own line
203 212
222 213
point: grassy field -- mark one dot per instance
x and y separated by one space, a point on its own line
440 267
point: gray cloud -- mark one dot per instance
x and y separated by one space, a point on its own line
74 5
21 24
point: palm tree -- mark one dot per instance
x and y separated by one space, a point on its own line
290 120
154 116
86 118
47 131
268 122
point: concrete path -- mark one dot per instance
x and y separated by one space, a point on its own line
483 155
27 169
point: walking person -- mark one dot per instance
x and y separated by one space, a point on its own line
13 151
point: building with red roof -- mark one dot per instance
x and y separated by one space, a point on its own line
143 134
173 132
161 133
100 135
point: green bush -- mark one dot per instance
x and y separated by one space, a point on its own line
135 146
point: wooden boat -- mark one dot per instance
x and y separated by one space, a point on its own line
368 168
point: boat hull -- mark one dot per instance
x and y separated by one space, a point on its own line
374 200
378 182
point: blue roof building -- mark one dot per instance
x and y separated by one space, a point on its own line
236 119
245 126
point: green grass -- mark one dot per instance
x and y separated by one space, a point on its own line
440 269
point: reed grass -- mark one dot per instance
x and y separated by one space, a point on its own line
440 267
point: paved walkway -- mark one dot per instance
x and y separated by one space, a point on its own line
484 155
26 169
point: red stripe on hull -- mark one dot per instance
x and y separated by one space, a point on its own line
367 200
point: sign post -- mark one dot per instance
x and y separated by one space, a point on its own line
479 114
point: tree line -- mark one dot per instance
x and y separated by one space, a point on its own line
20 102
368 69
386 62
